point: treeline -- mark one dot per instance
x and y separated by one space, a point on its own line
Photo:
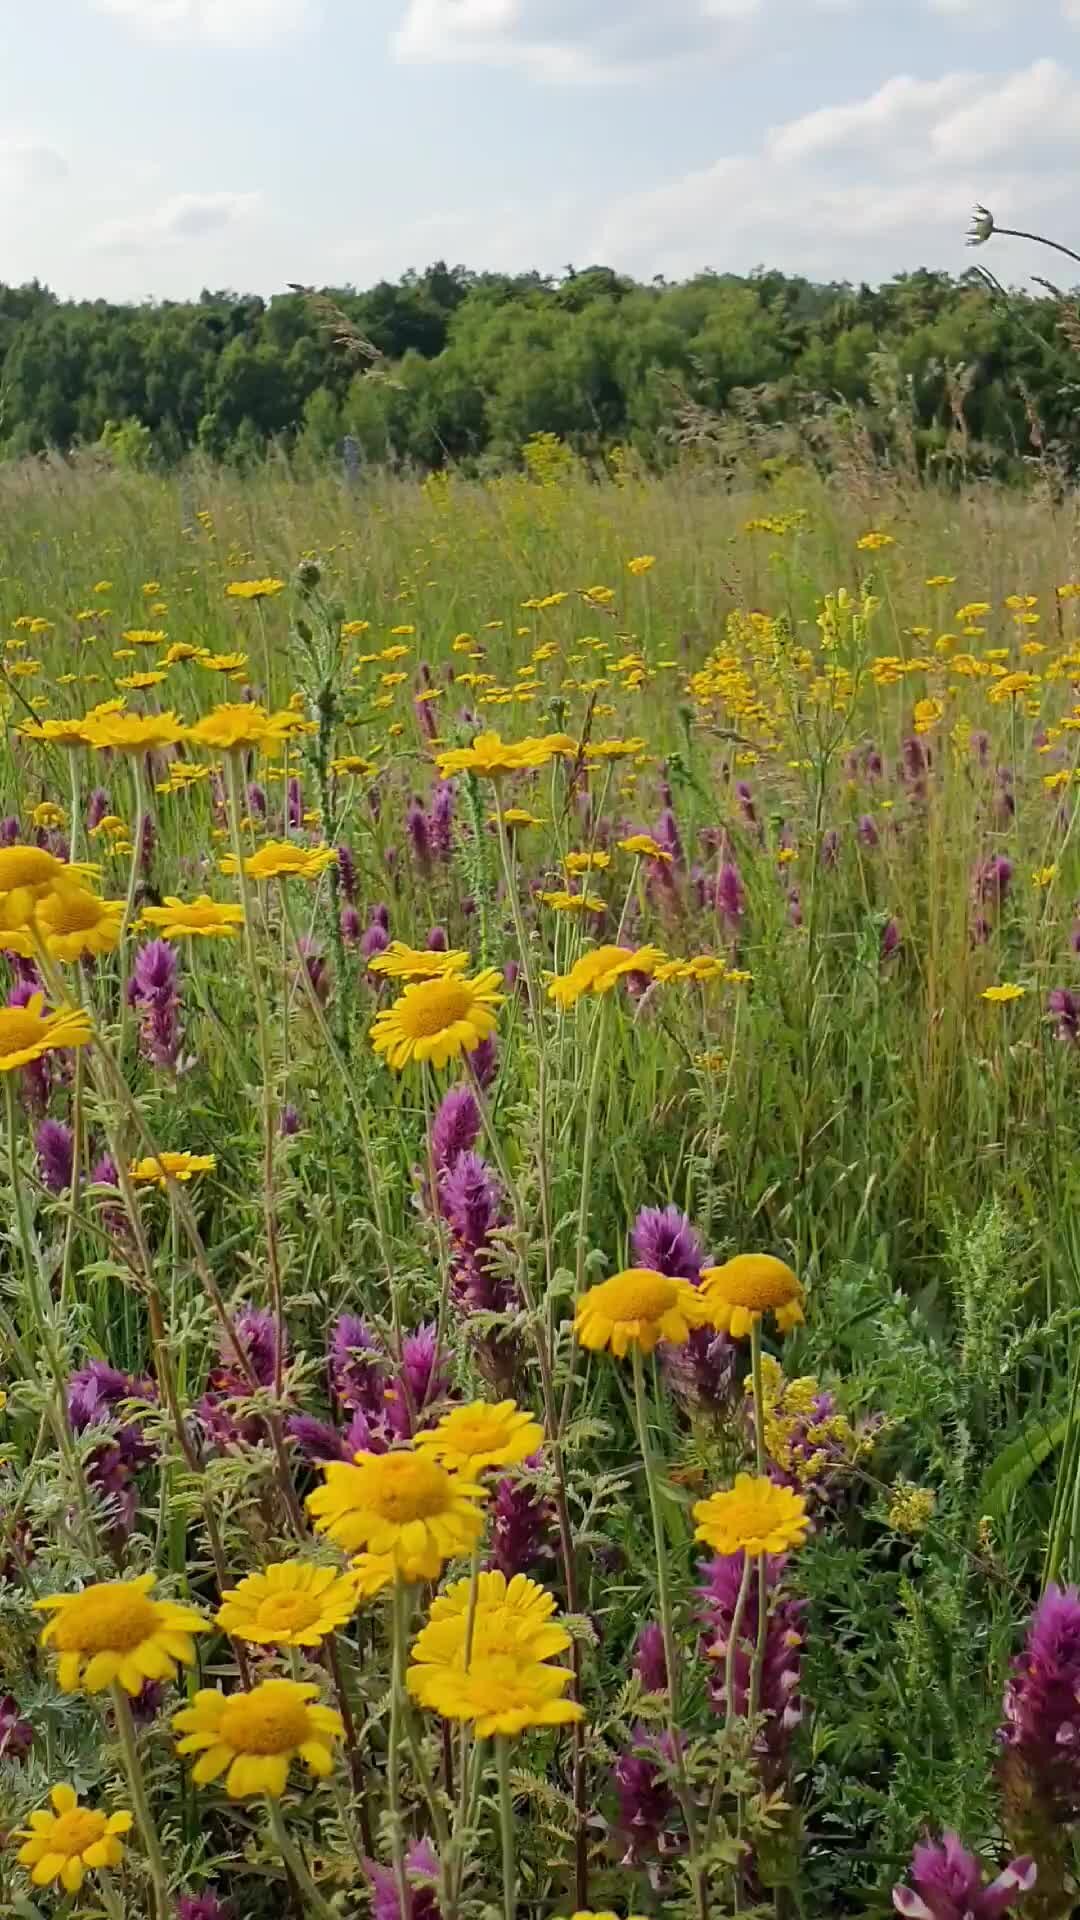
469 366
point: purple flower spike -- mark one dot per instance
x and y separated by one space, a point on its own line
455 1127
347 873
1065 1007
646 1800
358 1367
202 1906
55 1147
416 822
421 1868
16 1734
97 807
664 1240
730 896
1042 1701
522 1524
650 1661
949 1884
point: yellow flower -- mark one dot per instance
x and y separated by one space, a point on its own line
180 651
144 636
754 1516
235 728
114 1632
60 733
942 580
873 542
72 922
596 862
563 902
491 755
438 1020
638 1308
284 859
294 1603
1006 992
400 1504
644 846
133 732
161 1167
469 1438
702 966
614 749
26 1033
911 1508
741 1290
500 1693
199 919
401 962
256 1734
70 1843
36 872
254 589
232 663
140 682
47 814
512 1617
600 970
1044 876
643 563
515 818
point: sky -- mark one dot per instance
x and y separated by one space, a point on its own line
150 148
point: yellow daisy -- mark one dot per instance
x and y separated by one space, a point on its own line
601 969
498 1693
467 1439
26 1033
401 1504
113 1631
293 1603
72 922
255 1735
159 1168
199 919
754 1516
401 962
71 1842
741 1290
284 859
638 1308
510 1617
439 1019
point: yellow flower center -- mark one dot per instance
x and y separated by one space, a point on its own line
755 1281
637 1294
71 912
286 1612
478 1432
433 1007
105 1619
408 1488
18 1028
253 1723
73 1832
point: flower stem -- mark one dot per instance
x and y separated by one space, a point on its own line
290 1854
393 1763
506 1825
759 1449
147 1825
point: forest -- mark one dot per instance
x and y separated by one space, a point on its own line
454 366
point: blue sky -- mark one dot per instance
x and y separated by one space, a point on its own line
151 147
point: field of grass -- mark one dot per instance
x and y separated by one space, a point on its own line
823 743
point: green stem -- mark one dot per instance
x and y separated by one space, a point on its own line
145 1821
290 1854
393 1763
506 1826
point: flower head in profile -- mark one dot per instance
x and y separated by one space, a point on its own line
252 1737
133 732
1000 996
439 1019
752 1284
498 1693
113 1631
27 1033
644 847
638 1308
401 962
71 1842
481 1435
158 1169
754 1516
58 733
400 1504
199 919
235 728
283 860
949 1884
560 901
493 757
266 589
72 922
293 1603
601 969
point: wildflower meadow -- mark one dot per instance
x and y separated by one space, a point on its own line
540 1274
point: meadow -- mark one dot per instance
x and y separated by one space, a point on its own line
539 1298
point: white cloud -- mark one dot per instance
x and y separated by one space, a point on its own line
26 162
570 41
854 190
182 218
236 23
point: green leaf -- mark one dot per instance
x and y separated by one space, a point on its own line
1016 1463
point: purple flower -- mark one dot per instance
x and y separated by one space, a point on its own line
1042 1700
16 1734
313 961
416 823
347 872
437 941
153 991
421 1868
650 1660
484 1061
780 1671
289 1122
54 1145
1065 1007
642 1779
455 1127
890 939
94 1394
991 880
702 1371
830 847
256 800
441 818
425 1376
295 808
202 1906
730 896
358 1367
664 1240
350 926
147 842
376 939
522 1523
97 806
667 836
867 831
949 1884
317 1439
470 1196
